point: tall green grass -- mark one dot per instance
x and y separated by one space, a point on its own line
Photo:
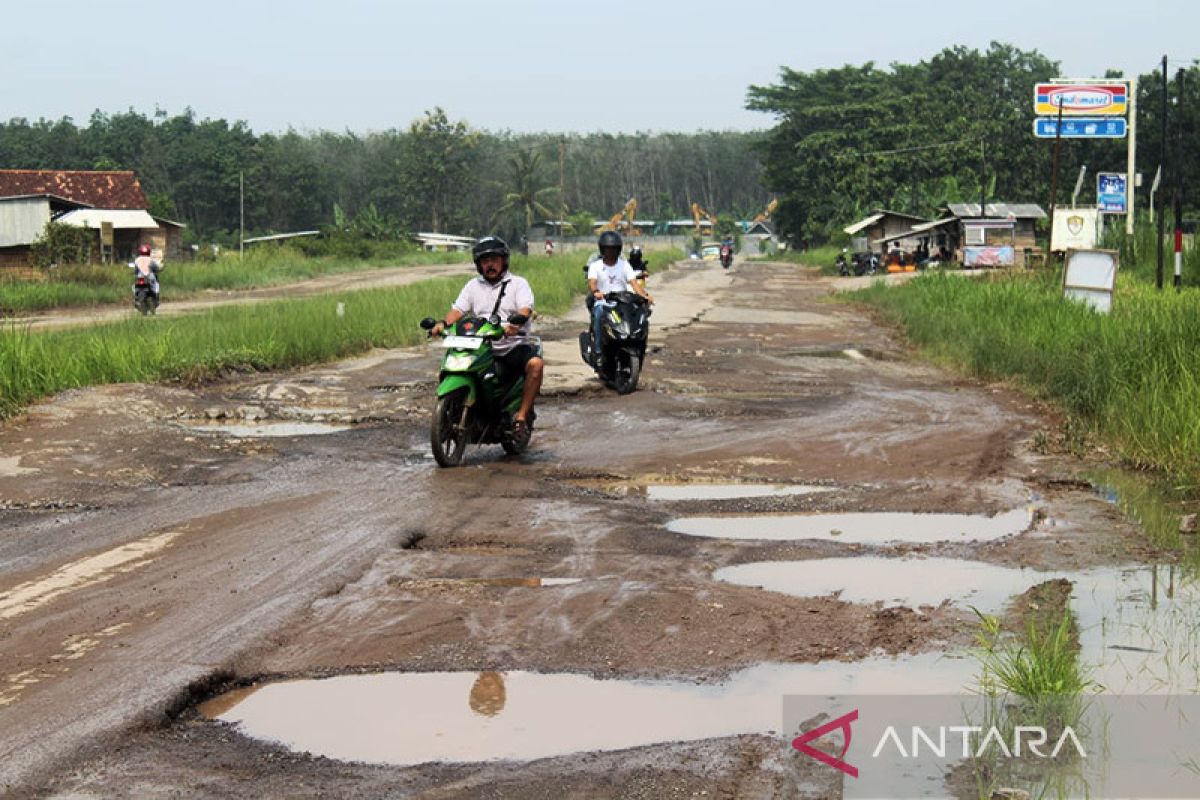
264 336
1132 376
77 285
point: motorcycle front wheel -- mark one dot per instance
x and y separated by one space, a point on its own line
625 376
448 433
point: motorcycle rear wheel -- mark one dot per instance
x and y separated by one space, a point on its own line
448 433
626 372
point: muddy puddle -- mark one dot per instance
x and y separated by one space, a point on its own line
268 430
1139 626
910 582
859 528
414 718
726 491
529 583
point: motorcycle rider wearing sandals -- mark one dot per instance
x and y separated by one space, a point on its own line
609 273
495 291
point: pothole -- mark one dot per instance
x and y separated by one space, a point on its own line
858 528
464 717
911 582
726 491
532 583
268 430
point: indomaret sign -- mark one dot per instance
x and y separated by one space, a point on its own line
1091 99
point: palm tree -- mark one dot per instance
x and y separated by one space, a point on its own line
527 197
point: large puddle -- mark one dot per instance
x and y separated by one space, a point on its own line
862 528
414 718
268 430
1139 626
727 491
911 582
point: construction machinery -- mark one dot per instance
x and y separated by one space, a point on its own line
766 212
623 219
702 218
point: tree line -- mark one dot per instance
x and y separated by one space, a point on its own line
953 128
436 173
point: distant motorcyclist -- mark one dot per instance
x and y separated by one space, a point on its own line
726 251
641 267
495 291
610 273
147 266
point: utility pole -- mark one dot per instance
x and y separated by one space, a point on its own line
241 215
983 179
1053 177
562 191
1179 180
1078 184
1131 165
1162 200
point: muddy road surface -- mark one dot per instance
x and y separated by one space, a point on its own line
177 566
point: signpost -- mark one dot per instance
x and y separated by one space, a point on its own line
1110 192
1081 127
1087 109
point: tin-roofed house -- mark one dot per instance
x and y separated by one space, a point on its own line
881 224
90 199
1004 236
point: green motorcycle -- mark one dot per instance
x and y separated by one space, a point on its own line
475 403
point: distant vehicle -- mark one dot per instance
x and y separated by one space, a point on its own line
710 251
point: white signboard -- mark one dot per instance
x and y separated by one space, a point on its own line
1075 228
1090 276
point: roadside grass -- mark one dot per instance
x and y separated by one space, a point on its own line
264 336
1130 378
89 285
823 257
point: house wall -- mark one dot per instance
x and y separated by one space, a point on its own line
14 258
22 221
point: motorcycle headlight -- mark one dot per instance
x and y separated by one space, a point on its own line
459 362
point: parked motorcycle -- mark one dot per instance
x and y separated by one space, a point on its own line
624 330
843 266
476 404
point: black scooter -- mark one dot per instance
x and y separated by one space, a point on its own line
624 330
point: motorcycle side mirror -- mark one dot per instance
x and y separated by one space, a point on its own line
518 319
428 323
494 319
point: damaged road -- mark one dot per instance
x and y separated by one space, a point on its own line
157 547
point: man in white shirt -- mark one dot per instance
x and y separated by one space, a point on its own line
495 291
609 273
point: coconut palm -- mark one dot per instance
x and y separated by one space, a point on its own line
528 197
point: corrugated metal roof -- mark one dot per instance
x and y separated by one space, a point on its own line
276 237
1018 210
121 218
863 223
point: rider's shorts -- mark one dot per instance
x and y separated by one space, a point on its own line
512 364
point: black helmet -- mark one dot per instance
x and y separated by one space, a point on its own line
490 245
610 239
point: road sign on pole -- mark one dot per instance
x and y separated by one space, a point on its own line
1081 127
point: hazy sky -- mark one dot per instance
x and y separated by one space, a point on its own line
522 65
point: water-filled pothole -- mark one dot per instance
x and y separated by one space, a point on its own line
415 718
911 582
727 491
268 429
859 528
1139 626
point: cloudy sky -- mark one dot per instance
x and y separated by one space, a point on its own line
522 65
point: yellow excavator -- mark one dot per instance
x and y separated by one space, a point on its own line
622 219
766 212
702 218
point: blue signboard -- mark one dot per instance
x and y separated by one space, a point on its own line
1110 192
1081 127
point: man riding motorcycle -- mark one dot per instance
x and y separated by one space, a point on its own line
609 273
641 267
496 292
147 266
